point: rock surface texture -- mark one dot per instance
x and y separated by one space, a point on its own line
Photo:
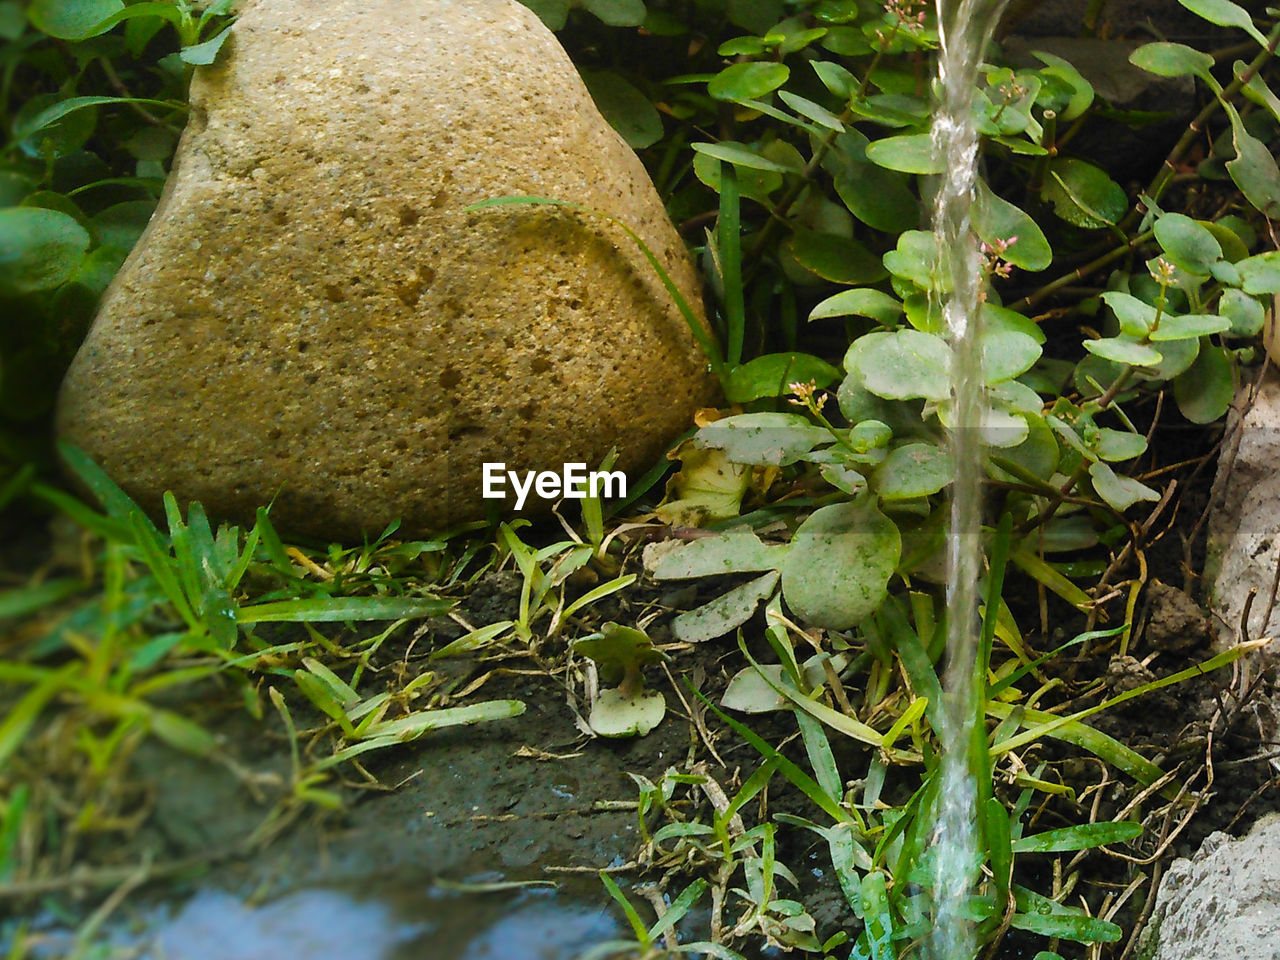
313 316
1244 528
1223 904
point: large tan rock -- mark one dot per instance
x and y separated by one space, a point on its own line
312 316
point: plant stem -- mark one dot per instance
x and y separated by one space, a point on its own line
1169 168
1029 301
1049 509
777 216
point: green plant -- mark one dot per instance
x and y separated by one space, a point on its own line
810 169
878 848
542 591
181 612
625 708
818 177
96 95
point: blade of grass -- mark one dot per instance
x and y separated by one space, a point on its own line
1042 572
25 600
23 715
475 639
821 758
118 504
679 907
337 609
599 593
1070 730
1213 663
633 917
849 726
999 845
802 781
729 245
161 565
1082 836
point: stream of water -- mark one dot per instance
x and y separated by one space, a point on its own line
964 28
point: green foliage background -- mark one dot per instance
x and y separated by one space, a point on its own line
93 94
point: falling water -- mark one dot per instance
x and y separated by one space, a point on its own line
964 27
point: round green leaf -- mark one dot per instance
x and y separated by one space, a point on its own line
1232 244
837 79
39 249
1187 243
913 470
1136 316
615 715
1204 392
1245 313
1254 169
1260 274
1119 445
837 570
1120 492
1175 357
617 13
835 258
776 439
909 153
553 13
995 317
1000 427
1016 395
1172 60
626 108
757 16
739 46
1225 13
749 692
748 81
1038 454
1083 195
863 302
906 364
1189 326
1081 96
121 225
1124 351
916 258
996 219
71 19
844 478
772 374
1007 354
880 198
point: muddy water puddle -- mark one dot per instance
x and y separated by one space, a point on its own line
385 879
403 922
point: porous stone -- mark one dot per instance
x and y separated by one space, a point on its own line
315 316
1244 527
1223 904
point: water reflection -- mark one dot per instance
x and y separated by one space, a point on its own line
333 924
214 925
